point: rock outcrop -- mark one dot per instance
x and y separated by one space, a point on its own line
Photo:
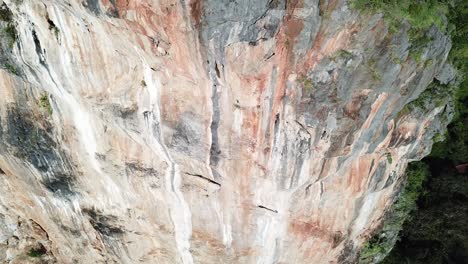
205 131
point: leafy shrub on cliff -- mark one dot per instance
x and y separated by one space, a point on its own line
37 252
9 29
8 37
10 32
306 83
10 68
420 14
455 147
44 103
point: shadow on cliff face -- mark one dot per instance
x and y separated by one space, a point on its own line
437 232
32 140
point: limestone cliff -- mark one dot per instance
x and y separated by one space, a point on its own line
205 131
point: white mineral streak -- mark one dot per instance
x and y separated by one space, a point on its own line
180 211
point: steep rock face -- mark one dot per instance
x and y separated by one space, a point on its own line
215 131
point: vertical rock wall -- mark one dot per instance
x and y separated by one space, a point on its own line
216 131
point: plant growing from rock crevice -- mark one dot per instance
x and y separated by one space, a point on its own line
37 252
45 103
306 83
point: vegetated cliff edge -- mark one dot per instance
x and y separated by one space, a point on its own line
208 131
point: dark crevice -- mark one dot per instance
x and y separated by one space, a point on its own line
270 56
61 184
217 70
255 42
113 11
302 126
5 13
37 44
93 6
215 151
53 28
273 4
204 178
268 209
37 251
371 167
307 189
51 24
104 224
141 170
35 144
324 134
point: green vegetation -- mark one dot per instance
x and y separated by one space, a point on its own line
435 95
344 54
455 147
53 28
416 55
36 252
394 57
389 158
372 68
421 14
382 242
45 103
9 29
56 31
428 63
419 40
10 34
10 68
436 232
306 83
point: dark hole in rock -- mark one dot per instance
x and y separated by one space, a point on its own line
5 13
103 223
217 70
37 251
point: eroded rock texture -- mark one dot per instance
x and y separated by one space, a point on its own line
205 131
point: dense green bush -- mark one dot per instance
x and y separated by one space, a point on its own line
455 147
420 14
45 103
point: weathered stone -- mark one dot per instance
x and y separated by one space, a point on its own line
207 131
